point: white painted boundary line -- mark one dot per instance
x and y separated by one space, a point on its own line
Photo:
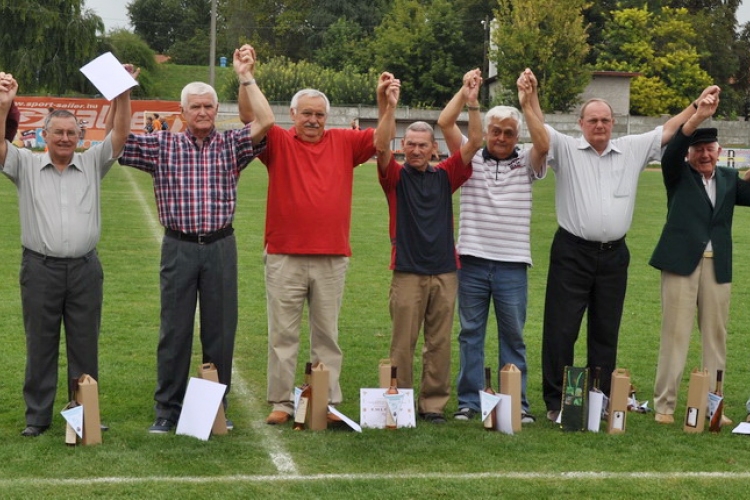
515 476
279 456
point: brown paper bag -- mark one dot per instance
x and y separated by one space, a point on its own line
510 383
618 401
319 401
384 373
208 371
697 401
88 396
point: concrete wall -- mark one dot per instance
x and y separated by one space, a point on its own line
731 133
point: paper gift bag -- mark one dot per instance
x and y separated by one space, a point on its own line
88 396
575 398
208 371
697 401
384 373
510 384
618 401
319 402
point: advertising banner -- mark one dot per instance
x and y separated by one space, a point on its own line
92 117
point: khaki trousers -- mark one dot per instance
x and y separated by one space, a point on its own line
416 300
290 281
681 296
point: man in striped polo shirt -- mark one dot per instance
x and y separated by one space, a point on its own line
494 238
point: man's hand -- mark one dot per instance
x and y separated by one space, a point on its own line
527 86
472 83
707 106
244 60
710 90
8 89
384 81
392 92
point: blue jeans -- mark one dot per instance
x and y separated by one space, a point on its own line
505 283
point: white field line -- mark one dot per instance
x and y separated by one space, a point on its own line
281 459
434 476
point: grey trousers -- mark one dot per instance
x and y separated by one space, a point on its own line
57 292
193 274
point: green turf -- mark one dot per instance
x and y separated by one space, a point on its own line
458 459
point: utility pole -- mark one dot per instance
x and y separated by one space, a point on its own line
212 56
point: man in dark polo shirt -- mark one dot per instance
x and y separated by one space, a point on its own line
423 253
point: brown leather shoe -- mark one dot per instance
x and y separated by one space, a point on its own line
664 418
333 419
277 417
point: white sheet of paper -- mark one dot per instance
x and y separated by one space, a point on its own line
504 409
108 76
351 423
742 428
74 416
596 400
488 402
199 408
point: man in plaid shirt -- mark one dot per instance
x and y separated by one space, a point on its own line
195 182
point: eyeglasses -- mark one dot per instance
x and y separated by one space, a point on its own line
59 134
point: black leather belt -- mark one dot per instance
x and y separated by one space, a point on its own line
201 239
38 255
599 245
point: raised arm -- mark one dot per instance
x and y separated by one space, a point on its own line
471 88
254 107
118 120
391 90
528 96
8 89
449 115
674 123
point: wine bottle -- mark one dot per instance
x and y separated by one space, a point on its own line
715 424
390 422
489 422
71 438
301 413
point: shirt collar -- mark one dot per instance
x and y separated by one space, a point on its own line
47 162
206 140
486 155
584 144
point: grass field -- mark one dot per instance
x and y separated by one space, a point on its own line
455 460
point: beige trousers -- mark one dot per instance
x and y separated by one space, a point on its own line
416 300
290 281
681 296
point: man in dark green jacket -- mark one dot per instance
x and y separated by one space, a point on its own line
694 253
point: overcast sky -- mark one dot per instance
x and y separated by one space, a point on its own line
115 15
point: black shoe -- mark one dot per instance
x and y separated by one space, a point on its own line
230 425
161 426
433 418
34 430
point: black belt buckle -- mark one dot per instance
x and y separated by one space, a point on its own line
202 239
606 245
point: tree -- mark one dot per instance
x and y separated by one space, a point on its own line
165 23
130 48
659 46
44 43
411 43
550 38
